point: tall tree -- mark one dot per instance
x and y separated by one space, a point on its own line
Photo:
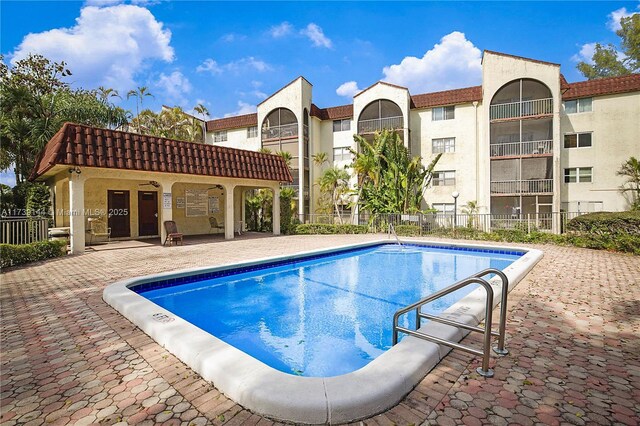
608 60
389 179
140 93
35 104
335 181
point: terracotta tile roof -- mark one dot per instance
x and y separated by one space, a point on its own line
448 97
332 113
519 57
84 146
603 86
564 85
246 120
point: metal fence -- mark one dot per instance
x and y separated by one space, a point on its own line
23 230
432 223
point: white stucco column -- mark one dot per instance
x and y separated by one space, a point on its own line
76 207
276 211
229 219
166 207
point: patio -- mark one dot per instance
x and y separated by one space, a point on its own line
68 358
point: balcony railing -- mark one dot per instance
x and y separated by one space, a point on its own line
280 132
521 148
532 186
521 109
378 124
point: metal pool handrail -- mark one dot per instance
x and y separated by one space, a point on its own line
474 279
392 231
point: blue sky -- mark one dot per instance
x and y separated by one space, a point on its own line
230 56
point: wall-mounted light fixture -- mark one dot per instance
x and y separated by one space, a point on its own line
75 169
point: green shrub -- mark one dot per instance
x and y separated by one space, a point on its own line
329 228
408 230
18 254
607 224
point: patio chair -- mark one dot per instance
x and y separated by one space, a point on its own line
172 233
213 222
98 228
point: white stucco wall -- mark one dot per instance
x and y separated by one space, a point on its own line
462 161
498 70
236 138
615 126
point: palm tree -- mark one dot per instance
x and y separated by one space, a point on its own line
105 93
471 209
320 159
334 181
140 93
204 113
631 170
286 156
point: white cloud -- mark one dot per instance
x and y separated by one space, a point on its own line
243 108
452 63
586 53
108 45
316 35
348 89
248 63
175 86
231 37
209 65
614 18
281 30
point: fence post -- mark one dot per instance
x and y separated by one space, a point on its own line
528 223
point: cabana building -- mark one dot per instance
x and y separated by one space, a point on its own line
132 183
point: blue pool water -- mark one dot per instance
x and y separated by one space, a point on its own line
321 316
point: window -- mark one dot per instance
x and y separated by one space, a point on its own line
341 125
577 140
443 145
578 174
578 105
220 136
252 132
443 207
443 113
444 178
341 154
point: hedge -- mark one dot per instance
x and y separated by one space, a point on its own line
329 228
19 254
607 224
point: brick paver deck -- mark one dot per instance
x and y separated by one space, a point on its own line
68 358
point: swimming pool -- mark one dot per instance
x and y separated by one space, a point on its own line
253 328
322 316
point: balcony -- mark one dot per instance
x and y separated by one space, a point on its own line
532 186
521 109
515 149
286 131
379 124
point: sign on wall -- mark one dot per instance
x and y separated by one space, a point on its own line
180 202
214 204
166 200
196 202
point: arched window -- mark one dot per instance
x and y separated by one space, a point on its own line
521 98
281 123
380 114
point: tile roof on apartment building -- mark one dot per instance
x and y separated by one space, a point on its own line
599 87
86 146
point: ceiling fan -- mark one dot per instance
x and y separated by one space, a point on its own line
151 182
216 187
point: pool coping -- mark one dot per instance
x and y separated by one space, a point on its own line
379 385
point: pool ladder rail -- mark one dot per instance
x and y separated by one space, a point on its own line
484 370
392 231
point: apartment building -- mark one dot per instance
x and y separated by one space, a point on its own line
526 141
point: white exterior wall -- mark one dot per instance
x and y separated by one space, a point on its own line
498 70
462 161
384 91
236 138
614 123
615 126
